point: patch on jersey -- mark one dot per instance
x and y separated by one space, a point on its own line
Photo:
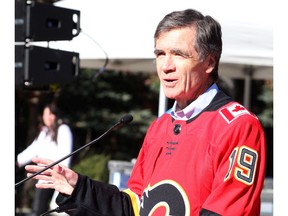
166 197
233 111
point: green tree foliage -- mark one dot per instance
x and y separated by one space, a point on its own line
94 166
266 116
91 106
94 105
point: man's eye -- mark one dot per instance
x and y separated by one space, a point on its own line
179 55
159 54
182 55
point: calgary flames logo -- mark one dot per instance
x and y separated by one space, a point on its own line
165 198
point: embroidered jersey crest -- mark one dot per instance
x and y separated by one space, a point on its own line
165 198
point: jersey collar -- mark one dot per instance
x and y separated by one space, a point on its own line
196 106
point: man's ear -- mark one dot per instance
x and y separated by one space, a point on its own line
211 63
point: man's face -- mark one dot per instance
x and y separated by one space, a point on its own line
183 76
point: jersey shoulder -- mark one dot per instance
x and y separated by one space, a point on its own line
235 110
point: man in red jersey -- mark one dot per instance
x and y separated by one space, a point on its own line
205 156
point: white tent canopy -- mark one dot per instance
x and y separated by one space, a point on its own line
124 29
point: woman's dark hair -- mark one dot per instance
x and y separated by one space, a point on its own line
208 38
58 121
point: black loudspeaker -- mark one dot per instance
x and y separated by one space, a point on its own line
44 22
36 65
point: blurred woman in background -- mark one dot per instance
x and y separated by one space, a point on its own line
54 141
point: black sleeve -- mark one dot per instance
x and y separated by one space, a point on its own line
205 212
95 198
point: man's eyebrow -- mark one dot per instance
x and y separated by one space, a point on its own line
157 51
181 52
175 51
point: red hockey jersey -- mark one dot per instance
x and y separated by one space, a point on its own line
214 162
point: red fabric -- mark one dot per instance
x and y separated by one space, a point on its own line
212 163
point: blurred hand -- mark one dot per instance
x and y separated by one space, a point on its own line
58 177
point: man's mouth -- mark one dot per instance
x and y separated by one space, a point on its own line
169 82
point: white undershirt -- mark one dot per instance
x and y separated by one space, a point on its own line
195 107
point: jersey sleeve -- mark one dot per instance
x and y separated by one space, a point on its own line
239 161
92 198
